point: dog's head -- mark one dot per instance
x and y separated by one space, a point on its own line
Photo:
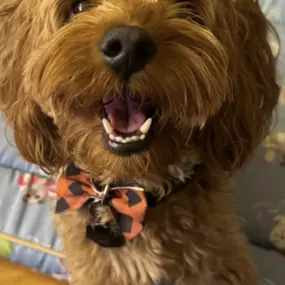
130 86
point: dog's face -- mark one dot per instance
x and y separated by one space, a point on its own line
131 86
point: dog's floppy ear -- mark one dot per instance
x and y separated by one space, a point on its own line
35 134
230 137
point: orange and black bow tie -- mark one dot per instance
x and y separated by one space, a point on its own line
127 203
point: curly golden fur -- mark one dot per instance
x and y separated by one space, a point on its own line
213 80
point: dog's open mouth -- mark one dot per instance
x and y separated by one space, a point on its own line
127 123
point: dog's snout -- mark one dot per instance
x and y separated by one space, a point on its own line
127 50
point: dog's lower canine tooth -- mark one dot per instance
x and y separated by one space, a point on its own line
112 137
142 137
107 126
146 126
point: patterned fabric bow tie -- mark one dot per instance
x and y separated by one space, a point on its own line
128 204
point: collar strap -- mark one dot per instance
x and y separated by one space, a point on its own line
127 204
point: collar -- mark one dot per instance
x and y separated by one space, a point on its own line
126 203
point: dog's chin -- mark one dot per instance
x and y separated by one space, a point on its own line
128 121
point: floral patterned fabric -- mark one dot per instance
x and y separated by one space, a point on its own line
27 234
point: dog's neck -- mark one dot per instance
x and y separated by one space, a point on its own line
159 185
77 189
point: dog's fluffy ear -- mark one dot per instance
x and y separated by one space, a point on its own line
230 137
35 133
36 136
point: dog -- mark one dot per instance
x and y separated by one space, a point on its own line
144 109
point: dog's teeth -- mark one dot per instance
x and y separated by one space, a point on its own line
112 144
107 126
116 139
119 139
146 126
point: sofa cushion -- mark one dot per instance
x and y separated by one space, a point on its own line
270 265
261 189
261 201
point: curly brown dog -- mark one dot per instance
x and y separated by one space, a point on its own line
145 108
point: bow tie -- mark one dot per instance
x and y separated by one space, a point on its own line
127 204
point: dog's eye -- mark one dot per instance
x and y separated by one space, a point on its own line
79 6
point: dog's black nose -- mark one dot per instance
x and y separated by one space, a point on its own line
127 50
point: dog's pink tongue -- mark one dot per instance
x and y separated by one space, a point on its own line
125 114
